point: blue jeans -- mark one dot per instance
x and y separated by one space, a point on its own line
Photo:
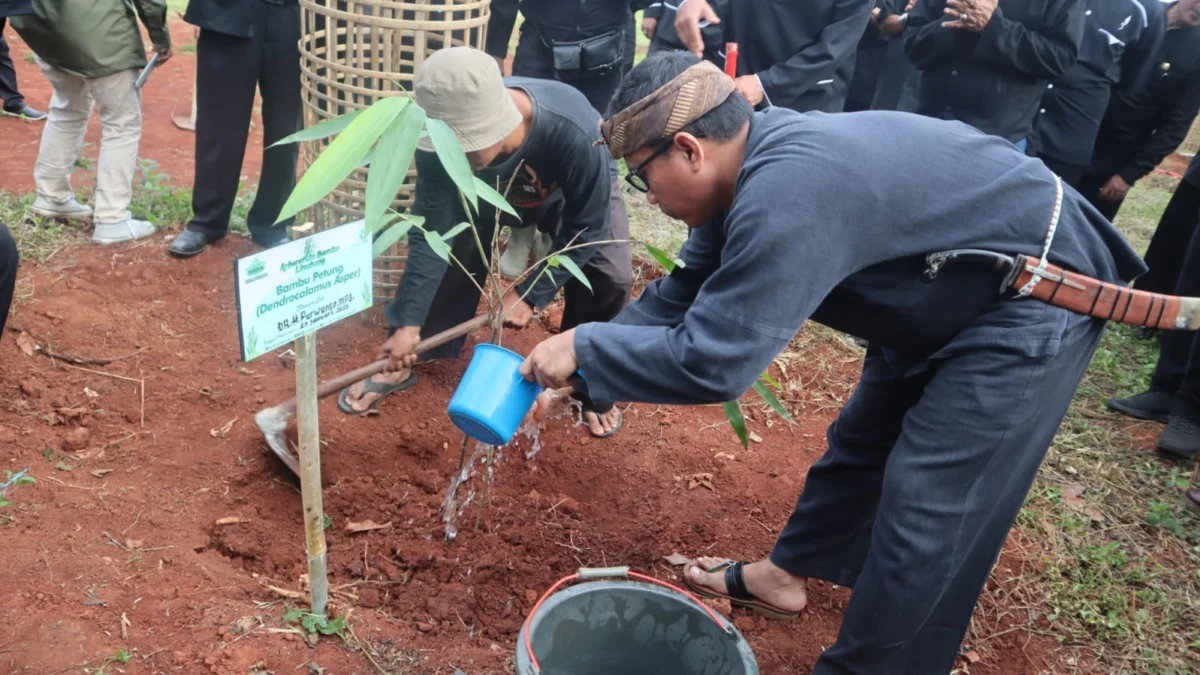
1022 144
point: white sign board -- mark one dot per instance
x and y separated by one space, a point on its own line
291 290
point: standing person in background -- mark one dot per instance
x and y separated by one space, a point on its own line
658 24
243 44
797 55
899 80
885 23
1175 230
1139 130
1120 41
89 67
579 42
10 96
987 62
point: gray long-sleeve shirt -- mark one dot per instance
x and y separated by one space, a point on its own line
817 231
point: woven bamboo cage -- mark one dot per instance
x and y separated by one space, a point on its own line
354 52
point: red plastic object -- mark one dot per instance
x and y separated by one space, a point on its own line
731 54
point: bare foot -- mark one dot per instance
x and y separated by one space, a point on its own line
766 582
360 402
602 423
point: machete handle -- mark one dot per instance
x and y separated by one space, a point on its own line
1107 301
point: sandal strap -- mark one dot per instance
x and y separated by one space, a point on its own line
735 583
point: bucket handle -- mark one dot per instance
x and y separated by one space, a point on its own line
589 573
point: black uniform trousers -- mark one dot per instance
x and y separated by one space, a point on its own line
609 271
227 70
9 95
1070 174
8 273
1178 370
1171 241
927 467
534 58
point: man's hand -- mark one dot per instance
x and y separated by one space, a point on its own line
892 25
909 6
552 363
687 24
649 24
517 312
398 348
164 55
874 18
750 88
969 15
1115 189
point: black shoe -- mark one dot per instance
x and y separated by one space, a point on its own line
189 243
1151 405
22 110
270 242
1180 440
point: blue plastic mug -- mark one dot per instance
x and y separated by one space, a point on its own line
492 399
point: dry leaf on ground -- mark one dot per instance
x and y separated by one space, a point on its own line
366 526
231 520
26 344
677 559
700 480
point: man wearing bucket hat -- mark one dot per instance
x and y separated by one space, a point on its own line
541 135
970 368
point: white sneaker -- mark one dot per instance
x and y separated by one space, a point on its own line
124 230
516 254
46 208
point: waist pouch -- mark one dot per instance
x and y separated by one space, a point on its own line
592 57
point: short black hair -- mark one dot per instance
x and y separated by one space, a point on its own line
719 124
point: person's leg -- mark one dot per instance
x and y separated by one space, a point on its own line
1169 244
226 73
829 531
70 108
1069 173
610 272
10 96
9 259
600 90
281 112
954 483
120 108
532 57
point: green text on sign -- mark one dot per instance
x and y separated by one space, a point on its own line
299 287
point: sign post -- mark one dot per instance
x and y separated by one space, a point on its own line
286 294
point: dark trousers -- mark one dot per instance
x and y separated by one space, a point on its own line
8 273
227 70
1089 186
1171 240
9 96
609 270
926 468
1069 173
533 58
1178 370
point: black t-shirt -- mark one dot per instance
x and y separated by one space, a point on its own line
558 159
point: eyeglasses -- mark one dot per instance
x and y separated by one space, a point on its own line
635 177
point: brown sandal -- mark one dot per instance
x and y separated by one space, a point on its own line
738 596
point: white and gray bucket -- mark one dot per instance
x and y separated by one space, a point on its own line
619 621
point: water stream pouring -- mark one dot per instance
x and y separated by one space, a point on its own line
624 622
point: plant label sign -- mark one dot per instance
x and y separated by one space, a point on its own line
291 290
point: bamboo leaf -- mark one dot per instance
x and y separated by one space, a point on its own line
575 271
771 381
733 410
439 247
342 156
321 130
391 236
453 159
489 194
769 397
394 156
387 219
455 231
668 263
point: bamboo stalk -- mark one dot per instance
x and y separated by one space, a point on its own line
308 426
